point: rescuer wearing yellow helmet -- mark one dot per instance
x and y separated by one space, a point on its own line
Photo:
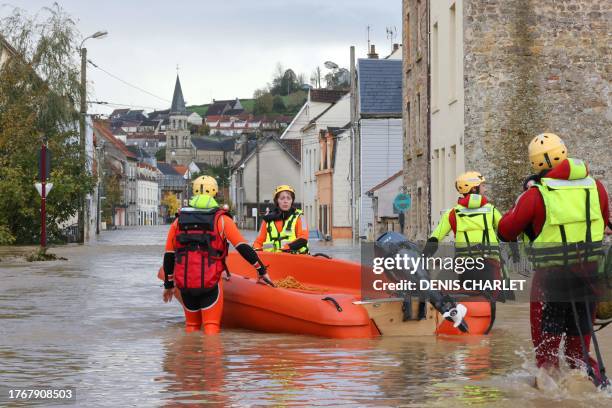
473 220
202 231
563 212
284 229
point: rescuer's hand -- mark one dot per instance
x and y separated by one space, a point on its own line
265 279
167 295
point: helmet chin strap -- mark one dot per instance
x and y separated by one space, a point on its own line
548 160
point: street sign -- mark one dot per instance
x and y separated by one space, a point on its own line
401 202
48 188
47 169
253 212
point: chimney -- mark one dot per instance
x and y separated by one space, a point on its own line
372 54
395 46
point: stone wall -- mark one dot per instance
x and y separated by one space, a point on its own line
416 164
532 66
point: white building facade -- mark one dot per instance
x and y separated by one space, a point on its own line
148 195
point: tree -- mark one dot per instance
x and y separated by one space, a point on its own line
203 129
39 93
278 105
315 77
113 195
263 104
160 155
171 202
338 78
296 100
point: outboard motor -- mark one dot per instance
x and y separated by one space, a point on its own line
392 243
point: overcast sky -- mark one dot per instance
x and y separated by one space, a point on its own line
224 49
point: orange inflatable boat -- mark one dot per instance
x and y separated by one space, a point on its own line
322 297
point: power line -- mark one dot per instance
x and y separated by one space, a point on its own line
126 82
120 104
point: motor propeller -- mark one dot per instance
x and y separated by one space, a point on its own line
392 243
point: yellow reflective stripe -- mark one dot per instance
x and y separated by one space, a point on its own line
475 200
556 183
481 210
578 169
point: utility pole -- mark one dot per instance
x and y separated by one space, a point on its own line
43 195
83 113
355 148
257 178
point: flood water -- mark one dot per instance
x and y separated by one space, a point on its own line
96 322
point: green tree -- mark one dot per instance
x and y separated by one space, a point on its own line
160 155
113 196
278 105
39 93
203 129
263 104
296 100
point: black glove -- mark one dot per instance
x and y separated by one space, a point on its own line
261 271
431 246
168 270
297 244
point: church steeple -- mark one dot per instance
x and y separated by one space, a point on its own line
178 102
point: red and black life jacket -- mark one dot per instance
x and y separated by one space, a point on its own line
200 250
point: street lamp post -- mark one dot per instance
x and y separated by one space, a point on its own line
83 113
100 179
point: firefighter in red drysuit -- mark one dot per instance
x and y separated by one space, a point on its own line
552 212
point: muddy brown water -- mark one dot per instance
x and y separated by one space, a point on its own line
96 322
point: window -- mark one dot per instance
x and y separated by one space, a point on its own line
418 122
408 130
418 33
408 41
442 179
434 68
452 164
419 210
452 56
435 169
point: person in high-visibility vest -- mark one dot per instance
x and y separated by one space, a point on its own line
563 212
474 222
284 229
194 260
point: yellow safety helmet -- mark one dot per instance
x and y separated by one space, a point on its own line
546 150
467 181
205 185
284 187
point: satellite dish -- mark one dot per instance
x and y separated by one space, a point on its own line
330 65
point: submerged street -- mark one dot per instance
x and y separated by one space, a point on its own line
96 322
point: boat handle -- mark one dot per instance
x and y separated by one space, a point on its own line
322 255
331 299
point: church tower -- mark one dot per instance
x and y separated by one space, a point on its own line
178 136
